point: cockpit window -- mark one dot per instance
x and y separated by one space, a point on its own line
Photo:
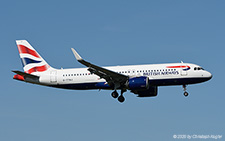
198 68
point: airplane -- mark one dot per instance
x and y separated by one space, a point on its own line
142 80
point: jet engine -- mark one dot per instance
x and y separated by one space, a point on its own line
138 83
150 92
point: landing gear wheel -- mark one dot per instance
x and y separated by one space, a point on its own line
121 99
185 94
115 94
185 88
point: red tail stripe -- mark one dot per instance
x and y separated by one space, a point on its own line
18 77
24 49
177 66
38 69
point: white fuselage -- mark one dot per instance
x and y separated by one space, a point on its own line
158 74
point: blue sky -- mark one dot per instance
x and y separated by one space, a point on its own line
112 33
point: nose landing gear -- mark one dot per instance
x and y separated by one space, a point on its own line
185 92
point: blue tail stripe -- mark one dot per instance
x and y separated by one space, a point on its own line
26 61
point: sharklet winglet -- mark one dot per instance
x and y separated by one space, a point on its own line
77 56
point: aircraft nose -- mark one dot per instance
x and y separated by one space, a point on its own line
208 75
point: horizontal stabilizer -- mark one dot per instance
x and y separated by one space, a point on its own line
25 74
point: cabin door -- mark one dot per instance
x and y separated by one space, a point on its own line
183 69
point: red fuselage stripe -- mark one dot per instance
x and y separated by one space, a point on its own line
178 67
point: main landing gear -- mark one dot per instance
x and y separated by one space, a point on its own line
121 97
185 92
115 94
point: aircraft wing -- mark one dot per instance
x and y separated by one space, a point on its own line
108 75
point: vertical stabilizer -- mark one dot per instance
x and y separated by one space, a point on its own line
31 60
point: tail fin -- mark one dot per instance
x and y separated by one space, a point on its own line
31 60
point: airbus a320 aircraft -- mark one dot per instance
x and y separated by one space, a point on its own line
142 80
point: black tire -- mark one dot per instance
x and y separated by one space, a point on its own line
121 99
115 94
185 94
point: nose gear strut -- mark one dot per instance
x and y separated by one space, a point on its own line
185 92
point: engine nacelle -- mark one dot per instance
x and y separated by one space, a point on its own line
150 92
138 83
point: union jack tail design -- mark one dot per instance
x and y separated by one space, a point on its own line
31 60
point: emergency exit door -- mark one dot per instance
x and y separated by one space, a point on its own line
53 76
